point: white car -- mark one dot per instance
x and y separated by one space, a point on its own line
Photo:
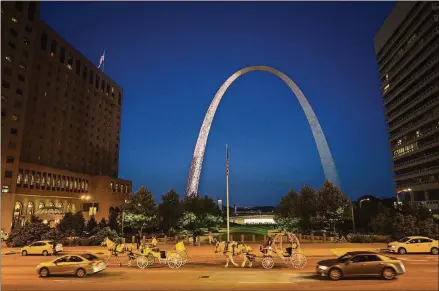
414 244
44 247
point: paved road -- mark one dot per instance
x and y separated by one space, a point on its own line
18 273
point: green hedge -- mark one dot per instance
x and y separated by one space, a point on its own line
368 238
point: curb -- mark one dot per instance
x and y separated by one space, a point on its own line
8 253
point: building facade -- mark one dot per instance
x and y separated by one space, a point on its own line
407 49
60 125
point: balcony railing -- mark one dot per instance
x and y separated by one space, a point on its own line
425 119
418 86
416 161
424 95
389 97
395 71
430 104
425 133
416 173
430 64
412 185
391 48
424 146
390 64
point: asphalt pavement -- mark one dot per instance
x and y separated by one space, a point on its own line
202 273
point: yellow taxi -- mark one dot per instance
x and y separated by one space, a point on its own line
44 247
414 244
79 265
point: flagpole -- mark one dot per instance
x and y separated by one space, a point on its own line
227 193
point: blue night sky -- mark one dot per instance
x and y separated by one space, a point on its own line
171 58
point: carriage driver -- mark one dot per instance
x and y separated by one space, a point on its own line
267 246
154 243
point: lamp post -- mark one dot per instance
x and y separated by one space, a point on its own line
87 198
362 200
353 218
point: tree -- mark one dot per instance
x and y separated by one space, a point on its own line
27 234
79 222
67 224
429 228
102 223
170 210
331 204
113 218
404 225
141 211
288 214
200 214
92 223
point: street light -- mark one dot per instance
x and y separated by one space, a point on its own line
87 198
362 200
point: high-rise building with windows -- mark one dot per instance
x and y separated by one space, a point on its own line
60 125
407 49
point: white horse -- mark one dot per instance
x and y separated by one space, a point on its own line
233 248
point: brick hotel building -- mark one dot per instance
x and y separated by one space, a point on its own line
407 49
60 118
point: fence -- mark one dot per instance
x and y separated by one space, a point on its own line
243 238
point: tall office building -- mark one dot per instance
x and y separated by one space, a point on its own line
60 125
407 49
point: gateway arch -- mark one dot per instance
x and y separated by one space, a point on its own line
200 147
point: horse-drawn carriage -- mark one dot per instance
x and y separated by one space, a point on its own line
175 258
288 252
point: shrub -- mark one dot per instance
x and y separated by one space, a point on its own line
27 234
368 238
55 235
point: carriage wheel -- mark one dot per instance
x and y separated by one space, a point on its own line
267 262
183 256
142 262
298 261
150 259
174 260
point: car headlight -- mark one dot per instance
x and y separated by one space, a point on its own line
322 267
392 246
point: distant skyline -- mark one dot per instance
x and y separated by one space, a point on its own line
171 58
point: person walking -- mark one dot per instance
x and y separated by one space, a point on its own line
210 237
138 239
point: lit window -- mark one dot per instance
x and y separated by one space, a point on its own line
386 87
8 58
418 133
387 77
399 141
15 117
14 20
5 189
23 66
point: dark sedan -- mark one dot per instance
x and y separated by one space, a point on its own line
357 264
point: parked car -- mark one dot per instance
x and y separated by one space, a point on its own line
79 265
44 247
355 264
414 244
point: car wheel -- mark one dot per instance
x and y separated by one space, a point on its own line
402 251
335 274
434 251
24 253
389 274
44 272
80 273
45 253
